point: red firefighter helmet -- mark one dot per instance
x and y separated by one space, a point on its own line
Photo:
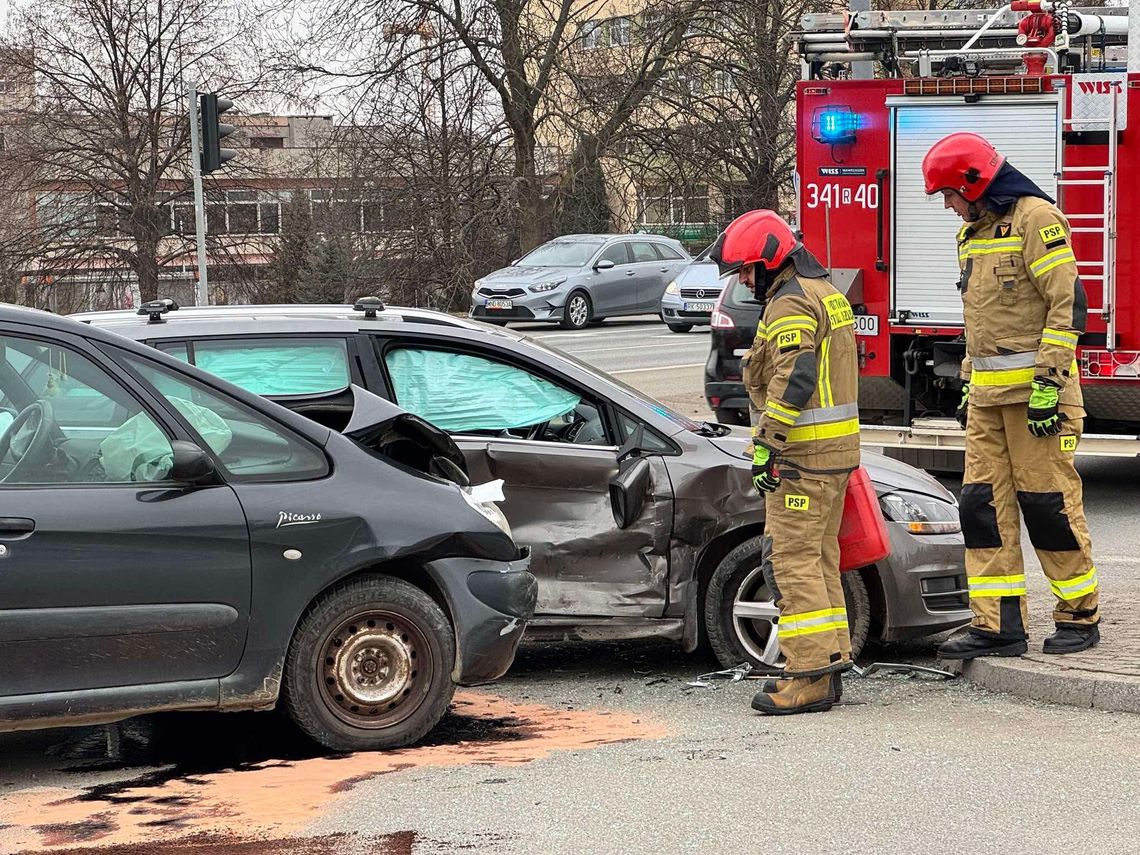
758 237
963 162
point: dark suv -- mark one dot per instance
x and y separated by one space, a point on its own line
734 320
641 522
170 541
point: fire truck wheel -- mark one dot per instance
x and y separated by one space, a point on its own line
740 616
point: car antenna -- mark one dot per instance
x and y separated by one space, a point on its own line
155 309
369 305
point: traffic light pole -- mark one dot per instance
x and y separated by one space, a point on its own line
203 295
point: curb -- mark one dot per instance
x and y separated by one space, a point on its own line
1075 687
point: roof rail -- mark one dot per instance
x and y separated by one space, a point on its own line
155 309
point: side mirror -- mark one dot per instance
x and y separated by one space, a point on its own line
628 489
191 463
604 264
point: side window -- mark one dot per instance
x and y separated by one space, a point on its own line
616 253
650 439
278 367
466 394
248 444
177 349
65 420
643 251
667 253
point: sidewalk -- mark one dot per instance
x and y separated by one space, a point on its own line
1107 677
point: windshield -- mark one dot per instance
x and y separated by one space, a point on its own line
679 419
561 253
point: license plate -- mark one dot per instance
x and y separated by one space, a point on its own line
500 304
699 307
866 325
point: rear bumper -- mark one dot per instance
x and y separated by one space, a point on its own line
490 603
727 395
924 584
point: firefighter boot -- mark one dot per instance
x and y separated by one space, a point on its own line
772 685
1072 638
971 644
796 695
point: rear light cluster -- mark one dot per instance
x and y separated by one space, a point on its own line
1110 365
720 320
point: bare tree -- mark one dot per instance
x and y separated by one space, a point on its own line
539 62
107 143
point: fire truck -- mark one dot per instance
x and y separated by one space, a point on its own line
1052 88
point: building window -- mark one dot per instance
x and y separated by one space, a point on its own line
590 34
237 212
267 142
619 30
663 205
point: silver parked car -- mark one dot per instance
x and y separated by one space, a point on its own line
690 298
577 279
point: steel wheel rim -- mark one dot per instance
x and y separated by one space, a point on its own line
578 310
754 619
372 669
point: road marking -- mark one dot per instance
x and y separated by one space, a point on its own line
657 368
630 347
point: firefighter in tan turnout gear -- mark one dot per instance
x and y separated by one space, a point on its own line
1021 402
802 380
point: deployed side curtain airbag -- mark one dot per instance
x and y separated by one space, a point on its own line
461 393
297 368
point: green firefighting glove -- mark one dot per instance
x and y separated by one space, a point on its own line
963 405
764 475
1043 417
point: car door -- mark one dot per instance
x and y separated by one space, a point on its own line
651 273
552 445
111 574
672 262
614 290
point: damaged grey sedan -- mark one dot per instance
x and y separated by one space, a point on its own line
642 522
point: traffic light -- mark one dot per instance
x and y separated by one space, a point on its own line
213 155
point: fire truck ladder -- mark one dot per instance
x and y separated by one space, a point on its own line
1103 222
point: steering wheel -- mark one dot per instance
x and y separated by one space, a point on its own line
28 439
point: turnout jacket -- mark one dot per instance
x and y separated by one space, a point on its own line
802 376
1023 301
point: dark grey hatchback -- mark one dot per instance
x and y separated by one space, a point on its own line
170 541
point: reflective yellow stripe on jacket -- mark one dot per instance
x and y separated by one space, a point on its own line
989 246
1049 260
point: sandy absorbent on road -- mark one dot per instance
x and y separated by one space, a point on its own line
276 799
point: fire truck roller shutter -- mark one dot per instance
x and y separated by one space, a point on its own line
926 268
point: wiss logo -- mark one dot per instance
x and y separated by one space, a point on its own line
1096 87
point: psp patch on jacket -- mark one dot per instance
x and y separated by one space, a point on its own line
1051 233
788 340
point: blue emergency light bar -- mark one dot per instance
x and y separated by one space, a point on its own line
834 125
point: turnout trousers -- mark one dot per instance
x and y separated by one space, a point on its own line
1007 469
802 571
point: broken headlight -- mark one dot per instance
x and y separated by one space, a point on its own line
920 514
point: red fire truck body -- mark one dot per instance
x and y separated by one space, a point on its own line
863 211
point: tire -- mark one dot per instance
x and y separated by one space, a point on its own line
679 328
731 417
576 315
734 641
386 623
